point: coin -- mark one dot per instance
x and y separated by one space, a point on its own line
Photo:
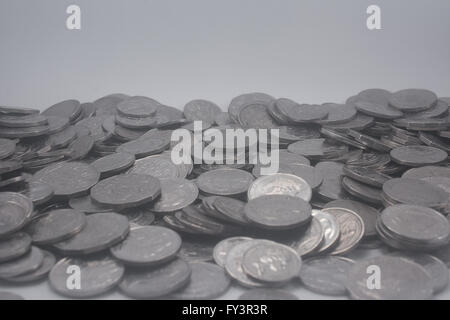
55 226
158 166
175 195
401 280
7 148
145 147
196 250
362 191
230 209
326 275
366 175
15 210
147 246
126 190
300 113
224 182
278 212
98 275
68 179
367 213
248 98
14 246
208 281
435 267
39 193
223 247
415 156
413 100
48 262
331 230
150 283
337 113
85 204
68 108
331 188
201 110
427 171
272 263
113 164
102 231
310 240
267 294
137 107
280 184
27 263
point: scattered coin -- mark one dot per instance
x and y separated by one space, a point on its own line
15 211
14 246
113 164
176 194
47 264
27 263
224 182
331 230
223 247
99 275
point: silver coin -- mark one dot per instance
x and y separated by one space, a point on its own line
38 192
14 246
311 239
427 171
138 107
48 262
401 279
27 263
281 184
156 282
272 263
98 275
68 179
85 204
224 182
113 164
55 226
331 188
175 195
223 247
69 108
147 246
248 98
126 190
15 211
435 267
208 281
413 100
194 250
326 275
415 156
158 166
331 230
102 231
145 147
351 227
278 212
7 148
201 110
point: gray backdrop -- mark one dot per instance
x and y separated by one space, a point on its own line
175 51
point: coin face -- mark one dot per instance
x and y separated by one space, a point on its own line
273 263
99 275
102 231
68 179
402 279
175 195
48 262
351 228
147 246
156 282
224 182
326 275
223 247
280 184
126 190
15 210
413 100
418 155
278 212
55 226
208 281
201 110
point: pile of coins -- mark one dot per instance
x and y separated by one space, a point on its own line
93 186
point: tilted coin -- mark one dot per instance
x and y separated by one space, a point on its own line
413 100
38 192
378 110
33 120
196 251
7 148
267 294
230 209
145 147
435 267
310 240
278 212
24 132
208 281
331 188
331 230
224 182
401 280
175 195
85 204
126 190
156 282
17 110
137 107
300 113
147 246
15 210
201 110
158 166
9 166
68 108
56 226
338 113
368 214
113 164
27 263
360 122
366 175
427 171
415 156
280 184
362 191
248 98
273 263
256 116
68 179
102 230
107 105
14 246
223 247
98 275
48 262
326 275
